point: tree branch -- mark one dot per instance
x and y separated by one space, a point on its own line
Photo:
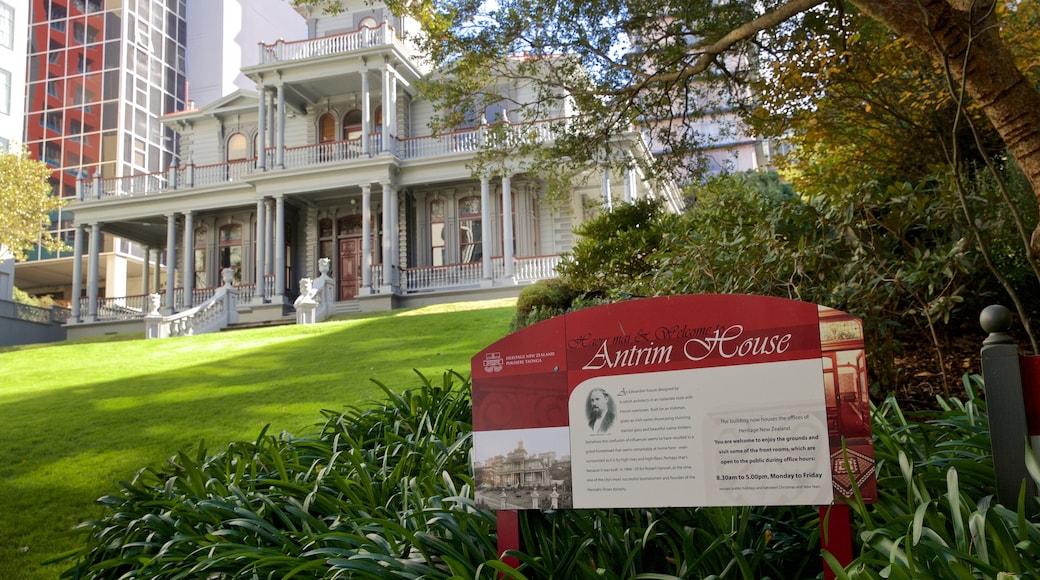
709 52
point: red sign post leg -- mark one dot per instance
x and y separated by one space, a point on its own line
836 535
508 535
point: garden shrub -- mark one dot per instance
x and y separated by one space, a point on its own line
383 490
22 297
618 250
936 515
541 301
378 490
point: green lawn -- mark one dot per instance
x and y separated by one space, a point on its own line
79 417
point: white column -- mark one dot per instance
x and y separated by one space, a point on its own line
146 271
485 226
279 247
606 188
366 114
388 104
507 225
77 271
92 270
387 252
395 235
366 236
630 185
261 130
157 280
269 238
187 246
391 117
272 124
281 125
171 260
261 247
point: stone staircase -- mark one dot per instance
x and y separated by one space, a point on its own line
285 320
341 307
346 307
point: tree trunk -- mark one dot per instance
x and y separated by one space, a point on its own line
968 42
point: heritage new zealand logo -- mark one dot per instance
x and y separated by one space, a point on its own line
493 362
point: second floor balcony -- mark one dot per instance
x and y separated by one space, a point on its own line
464 143
372 36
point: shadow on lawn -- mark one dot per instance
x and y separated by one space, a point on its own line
64 448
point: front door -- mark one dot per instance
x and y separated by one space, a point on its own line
349 267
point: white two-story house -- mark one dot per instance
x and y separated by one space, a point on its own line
332 157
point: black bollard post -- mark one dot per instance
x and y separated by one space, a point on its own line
1007 425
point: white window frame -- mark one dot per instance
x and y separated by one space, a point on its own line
5 92
6 25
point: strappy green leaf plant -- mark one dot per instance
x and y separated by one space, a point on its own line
937 515
383 490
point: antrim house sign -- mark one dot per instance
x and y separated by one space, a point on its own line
706 400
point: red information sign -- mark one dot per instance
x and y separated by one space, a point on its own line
675 401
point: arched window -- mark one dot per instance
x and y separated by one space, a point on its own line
230 248
201 237
237 147
352 125
470 249
437 232
367 22
496 112
326 128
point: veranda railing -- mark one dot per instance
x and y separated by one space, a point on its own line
462 142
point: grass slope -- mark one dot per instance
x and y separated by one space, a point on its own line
80 417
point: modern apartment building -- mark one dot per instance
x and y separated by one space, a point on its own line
14 17
101 75
331 158
223 36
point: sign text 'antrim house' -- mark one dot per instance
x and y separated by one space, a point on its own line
706 400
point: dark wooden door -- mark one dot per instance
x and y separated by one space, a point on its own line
349 267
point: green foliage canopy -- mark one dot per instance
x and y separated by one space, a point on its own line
638 63
896 256
28 202
618 249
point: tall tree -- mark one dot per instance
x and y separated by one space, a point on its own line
26 204
646 62
868 116
860 108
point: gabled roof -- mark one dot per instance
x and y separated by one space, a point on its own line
237 102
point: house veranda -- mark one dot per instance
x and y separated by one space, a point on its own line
331 157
